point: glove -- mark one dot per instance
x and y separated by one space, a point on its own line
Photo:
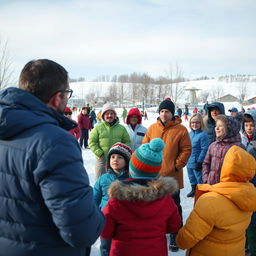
199 167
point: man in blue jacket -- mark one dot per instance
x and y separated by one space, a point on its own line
46 203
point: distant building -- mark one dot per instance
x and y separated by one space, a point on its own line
251 100
227 98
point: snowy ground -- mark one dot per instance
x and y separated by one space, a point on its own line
187 203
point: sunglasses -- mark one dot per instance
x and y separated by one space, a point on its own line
67 113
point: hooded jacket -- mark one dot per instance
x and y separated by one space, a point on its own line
222 213
137 134
138 217
209 121
250 145
177 148
217 150
47 205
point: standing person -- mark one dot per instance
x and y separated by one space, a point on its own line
186 112
134 128
118 169
195 110
179 112
98 117
213 110
76 130
93 118
104 136
227 134
47 205
216 226
205 108
124 114
249 141
84 125
200 144
176 152
141 210
145 115
233 111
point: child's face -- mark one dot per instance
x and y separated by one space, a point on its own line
195 123
249 128
220 129
117 162
214 112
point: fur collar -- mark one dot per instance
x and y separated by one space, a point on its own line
132 191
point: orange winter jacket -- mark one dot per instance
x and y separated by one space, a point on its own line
177 148
217 224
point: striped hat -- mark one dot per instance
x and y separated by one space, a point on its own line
146 161
120 149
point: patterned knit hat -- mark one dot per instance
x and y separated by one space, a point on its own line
146 161
120 149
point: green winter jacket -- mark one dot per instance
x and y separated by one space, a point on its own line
104 136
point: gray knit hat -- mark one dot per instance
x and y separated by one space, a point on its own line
107 107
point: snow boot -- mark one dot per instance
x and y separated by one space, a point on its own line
173 247
192 192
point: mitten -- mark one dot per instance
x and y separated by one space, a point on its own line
199 167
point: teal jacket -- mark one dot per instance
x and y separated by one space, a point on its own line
104 136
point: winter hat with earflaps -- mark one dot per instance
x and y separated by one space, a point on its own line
146 161
107 107
120 149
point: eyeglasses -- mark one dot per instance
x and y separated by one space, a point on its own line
67 91
67 113
195 122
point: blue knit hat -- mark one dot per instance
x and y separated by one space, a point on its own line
146 161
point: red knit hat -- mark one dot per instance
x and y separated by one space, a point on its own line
67 109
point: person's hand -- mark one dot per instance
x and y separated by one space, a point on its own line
199 167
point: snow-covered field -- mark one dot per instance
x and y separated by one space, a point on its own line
187 203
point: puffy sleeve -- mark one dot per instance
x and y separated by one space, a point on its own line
65 188
198 225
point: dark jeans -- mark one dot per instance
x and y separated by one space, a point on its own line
105 245
176 198
87 251
84 138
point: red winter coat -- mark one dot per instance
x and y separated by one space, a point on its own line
76 131
84 121
138 217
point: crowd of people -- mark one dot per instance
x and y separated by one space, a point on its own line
49 208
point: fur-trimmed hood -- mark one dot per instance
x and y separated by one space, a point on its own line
134 192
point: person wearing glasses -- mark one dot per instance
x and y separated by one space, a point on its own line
200 143
76 131
46 202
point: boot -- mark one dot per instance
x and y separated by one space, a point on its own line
192 192
173 246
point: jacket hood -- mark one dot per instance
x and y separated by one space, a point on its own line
134 192
238 168
232 125
134 112
20 110
218 105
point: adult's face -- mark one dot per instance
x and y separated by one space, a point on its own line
214 112
165 115
64 97
109 116
133 119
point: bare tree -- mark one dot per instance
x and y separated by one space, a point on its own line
216 92
176 76
242 90
6 70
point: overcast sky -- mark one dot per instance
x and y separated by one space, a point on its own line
94 37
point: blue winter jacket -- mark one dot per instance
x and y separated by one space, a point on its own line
101 186
200 144
46 203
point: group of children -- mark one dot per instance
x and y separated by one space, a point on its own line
139 209
206 161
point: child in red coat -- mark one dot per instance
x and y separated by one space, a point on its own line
141 210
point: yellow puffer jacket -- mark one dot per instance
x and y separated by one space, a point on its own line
217 224
177 148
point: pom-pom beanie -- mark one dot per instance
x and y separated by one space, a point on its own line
146 161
